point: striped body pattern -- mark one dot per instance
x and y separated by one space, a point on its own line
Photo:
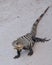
27 41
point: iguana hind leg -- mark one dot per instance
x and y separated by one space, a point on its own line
36 39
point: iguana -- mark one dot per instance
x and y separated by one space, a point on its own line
27 41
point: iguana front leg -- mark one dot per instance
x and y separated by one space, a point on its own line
30 50
18 54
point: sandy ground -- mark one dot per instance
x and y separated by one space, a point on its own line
16 19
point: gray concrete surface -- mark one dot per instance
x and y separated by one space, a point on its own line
16 19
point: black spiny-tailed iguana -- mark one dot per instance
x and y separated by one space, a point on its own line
27 41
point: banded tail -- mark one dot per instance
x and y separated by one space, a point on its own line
34 28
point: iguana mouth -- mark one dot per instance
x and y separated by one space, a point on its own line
19 47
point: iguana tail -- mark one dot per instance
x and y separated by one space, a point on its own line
34 28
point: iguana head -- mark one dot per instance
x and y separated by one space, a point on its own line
17 45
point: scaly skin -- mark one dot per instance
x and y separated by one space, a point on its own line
27 41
